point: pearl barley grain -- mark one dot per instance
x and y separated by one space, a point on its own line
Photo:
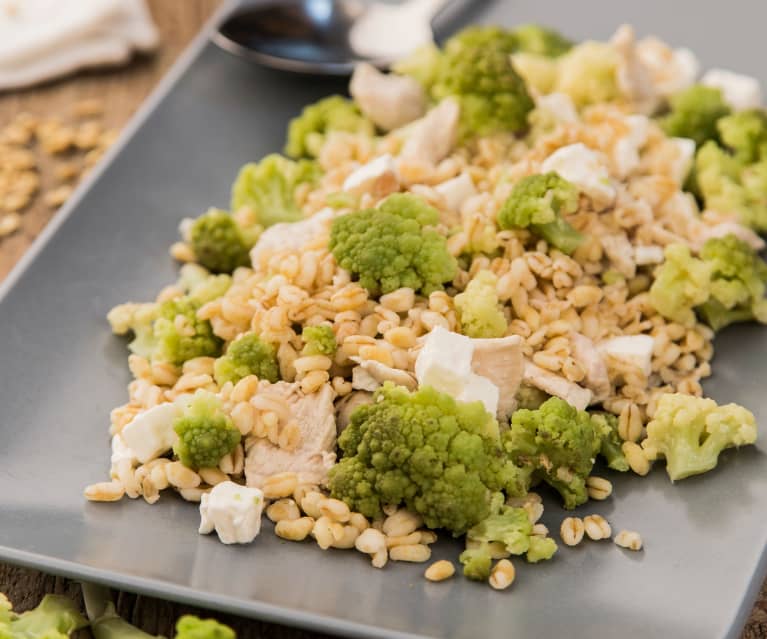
571 531
440 570
629 539
596 527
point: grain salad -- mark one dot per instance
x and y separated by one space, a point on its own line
490 268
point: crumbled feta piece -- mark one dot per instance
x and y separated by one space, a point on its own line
625 152
445 361
362 379
584 168
378 177
684 153
644 255
739 91
620 252
185 229
456 191
672 70
635 350
431 138
480 389
233 511
150 434
290 235
559 105
121 452
390 100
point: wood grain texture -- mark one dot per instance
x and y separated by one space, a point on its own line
122 91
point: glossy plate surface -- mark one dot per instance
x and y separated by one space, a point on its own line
61 371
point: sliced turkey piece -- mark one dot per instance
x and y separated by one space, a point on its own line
311 461
501 361
556 385
347 405
370 375
590 359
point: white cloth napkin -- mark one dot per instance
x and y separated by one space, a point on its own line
43 39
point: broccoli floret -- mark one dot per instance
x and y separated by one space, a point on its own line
476 562
192 627
607 426
533 38
558 444
492 95
441 458
319 340
726 285
690 432
205 433
219 243
308 131
56 617
588 73
681 283
539 202
391 247
478 308
247 355
694 113
267 188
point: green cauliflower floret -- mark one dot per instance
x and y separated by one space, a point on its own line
690 432
726 285
588 73
558 444
492 95
694 113
308 131
539 202
476 562
247 355
441 458
268 188
607 426
192 627
533 38
205 432
56 617
319 340
681 283
478 307
219 243
391 246
511 527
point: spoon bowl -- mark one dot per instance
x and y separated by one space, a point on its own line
327 37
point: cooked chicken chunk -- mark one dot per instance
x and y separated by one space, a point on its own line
557 385
620 252
315 455
389 100
501 361
347 405
433 136
370 375
588 356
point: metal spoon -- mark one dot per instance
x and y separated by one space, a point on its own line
327 37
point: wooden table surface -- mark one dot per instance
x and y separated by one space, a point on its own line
122 91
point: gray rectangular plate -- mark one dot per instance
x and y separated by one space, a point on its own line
61 371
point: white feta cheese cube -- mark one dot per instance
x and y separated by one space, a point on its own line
584 168
560 106
625 152
456 191
739 91
684 154
121 452
480 389
290 235
635 350
672 70
377 175
444 361
648 255
150 434
233 511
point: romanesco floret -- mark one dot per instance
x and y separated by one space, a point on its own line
694 113
533 38
726 285
690 432
531 397
558 444
611 448
391 246
267 188
745 133
205 432
512 528
492 95
440 457
192 627
247 355
219 243
541 549
422 65
319 340
308 131
539 202
56 617
476 562
478 308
